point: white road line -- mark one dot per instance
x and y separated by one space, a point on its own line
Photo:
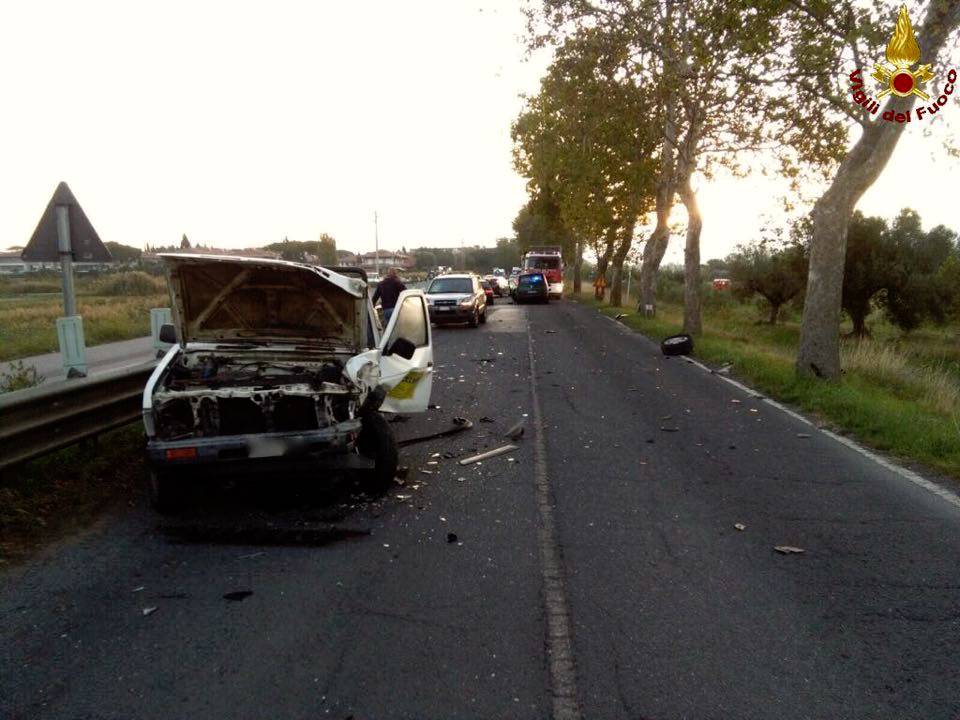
563 673
909 475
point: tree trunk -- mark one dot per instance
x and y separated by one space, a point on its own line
578 267
603 258
819 352
859 324
616 287
774 313
656 246
653 252
692 323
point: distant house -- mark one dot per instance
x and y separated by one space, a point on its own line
12 264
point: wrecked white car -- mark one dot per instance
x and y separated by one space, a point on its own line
279 363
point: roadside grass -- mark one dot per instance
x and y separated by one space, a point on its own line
47 498
899 394
28 323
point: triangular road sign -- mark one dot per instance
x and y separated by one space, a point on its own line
86 244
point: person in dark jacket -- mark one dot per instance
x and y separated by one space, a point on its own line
387 292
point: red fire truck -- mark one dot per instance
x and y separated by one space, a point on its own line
546 259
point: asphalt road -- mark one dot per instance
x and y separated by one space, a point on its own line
615 514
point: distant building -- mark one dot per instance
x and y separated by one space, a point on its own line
388 258
11 263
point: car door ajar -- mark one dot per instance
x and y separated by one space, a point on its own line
408 381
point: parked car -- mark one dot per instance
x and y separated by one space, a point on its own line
488 291
279 362
457 298
531 287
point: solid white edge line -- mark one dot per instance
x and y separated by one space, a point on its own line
909 475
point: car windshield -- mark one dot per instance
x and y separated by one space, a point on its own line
450 285
531 279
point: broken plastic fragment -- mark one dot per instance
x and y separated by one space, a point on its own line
740 526
788 549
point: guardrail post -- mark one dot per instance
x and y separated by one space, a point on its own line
158 318
73 349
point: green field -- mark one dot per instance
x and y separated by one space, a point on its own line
113 307
900 393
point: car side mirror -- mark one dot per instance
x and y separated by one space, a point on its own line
168 334
402 347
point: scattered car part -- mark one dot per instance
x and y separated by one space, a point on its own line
788 549
488 454
515 432
681 344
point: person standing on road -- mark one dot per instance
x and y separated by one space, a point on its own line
388 290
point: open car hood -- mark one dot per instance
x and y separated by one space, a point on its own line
220 298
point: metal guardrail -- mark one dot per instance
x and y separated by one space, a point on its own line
39 420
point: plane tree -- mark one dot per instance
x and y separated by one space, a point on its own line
581 139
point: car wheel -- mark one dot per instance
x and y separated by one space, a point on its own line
166 493
377 443
677 345
483 316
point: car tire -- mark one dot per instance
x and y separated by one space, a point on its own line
681 344
165 491
483 317
376 442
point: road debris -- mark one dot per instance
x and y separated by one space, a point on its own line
669 429
788 549
515 432
139 589
725 370
803 435
149 611
740 526
250 556
238 595
452 537
488 454
486 419
621 316
459 425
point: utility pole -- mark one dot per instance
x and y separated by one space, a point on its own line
376 242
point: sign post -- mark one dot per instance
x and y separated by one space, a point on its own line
64 234
66 260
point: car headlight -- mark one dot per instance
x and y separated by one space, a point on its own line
466 301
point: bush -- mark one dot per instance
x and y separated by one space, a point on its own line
127 284
19 377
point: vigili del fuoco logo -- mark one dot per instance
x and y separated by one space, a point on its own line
897 77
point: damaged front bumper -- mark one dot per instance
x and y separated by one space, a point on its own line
332 445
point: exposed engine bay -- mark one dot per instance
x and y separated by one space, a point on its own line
209 394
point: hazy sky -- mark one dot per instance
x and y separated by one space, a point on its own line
239 123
